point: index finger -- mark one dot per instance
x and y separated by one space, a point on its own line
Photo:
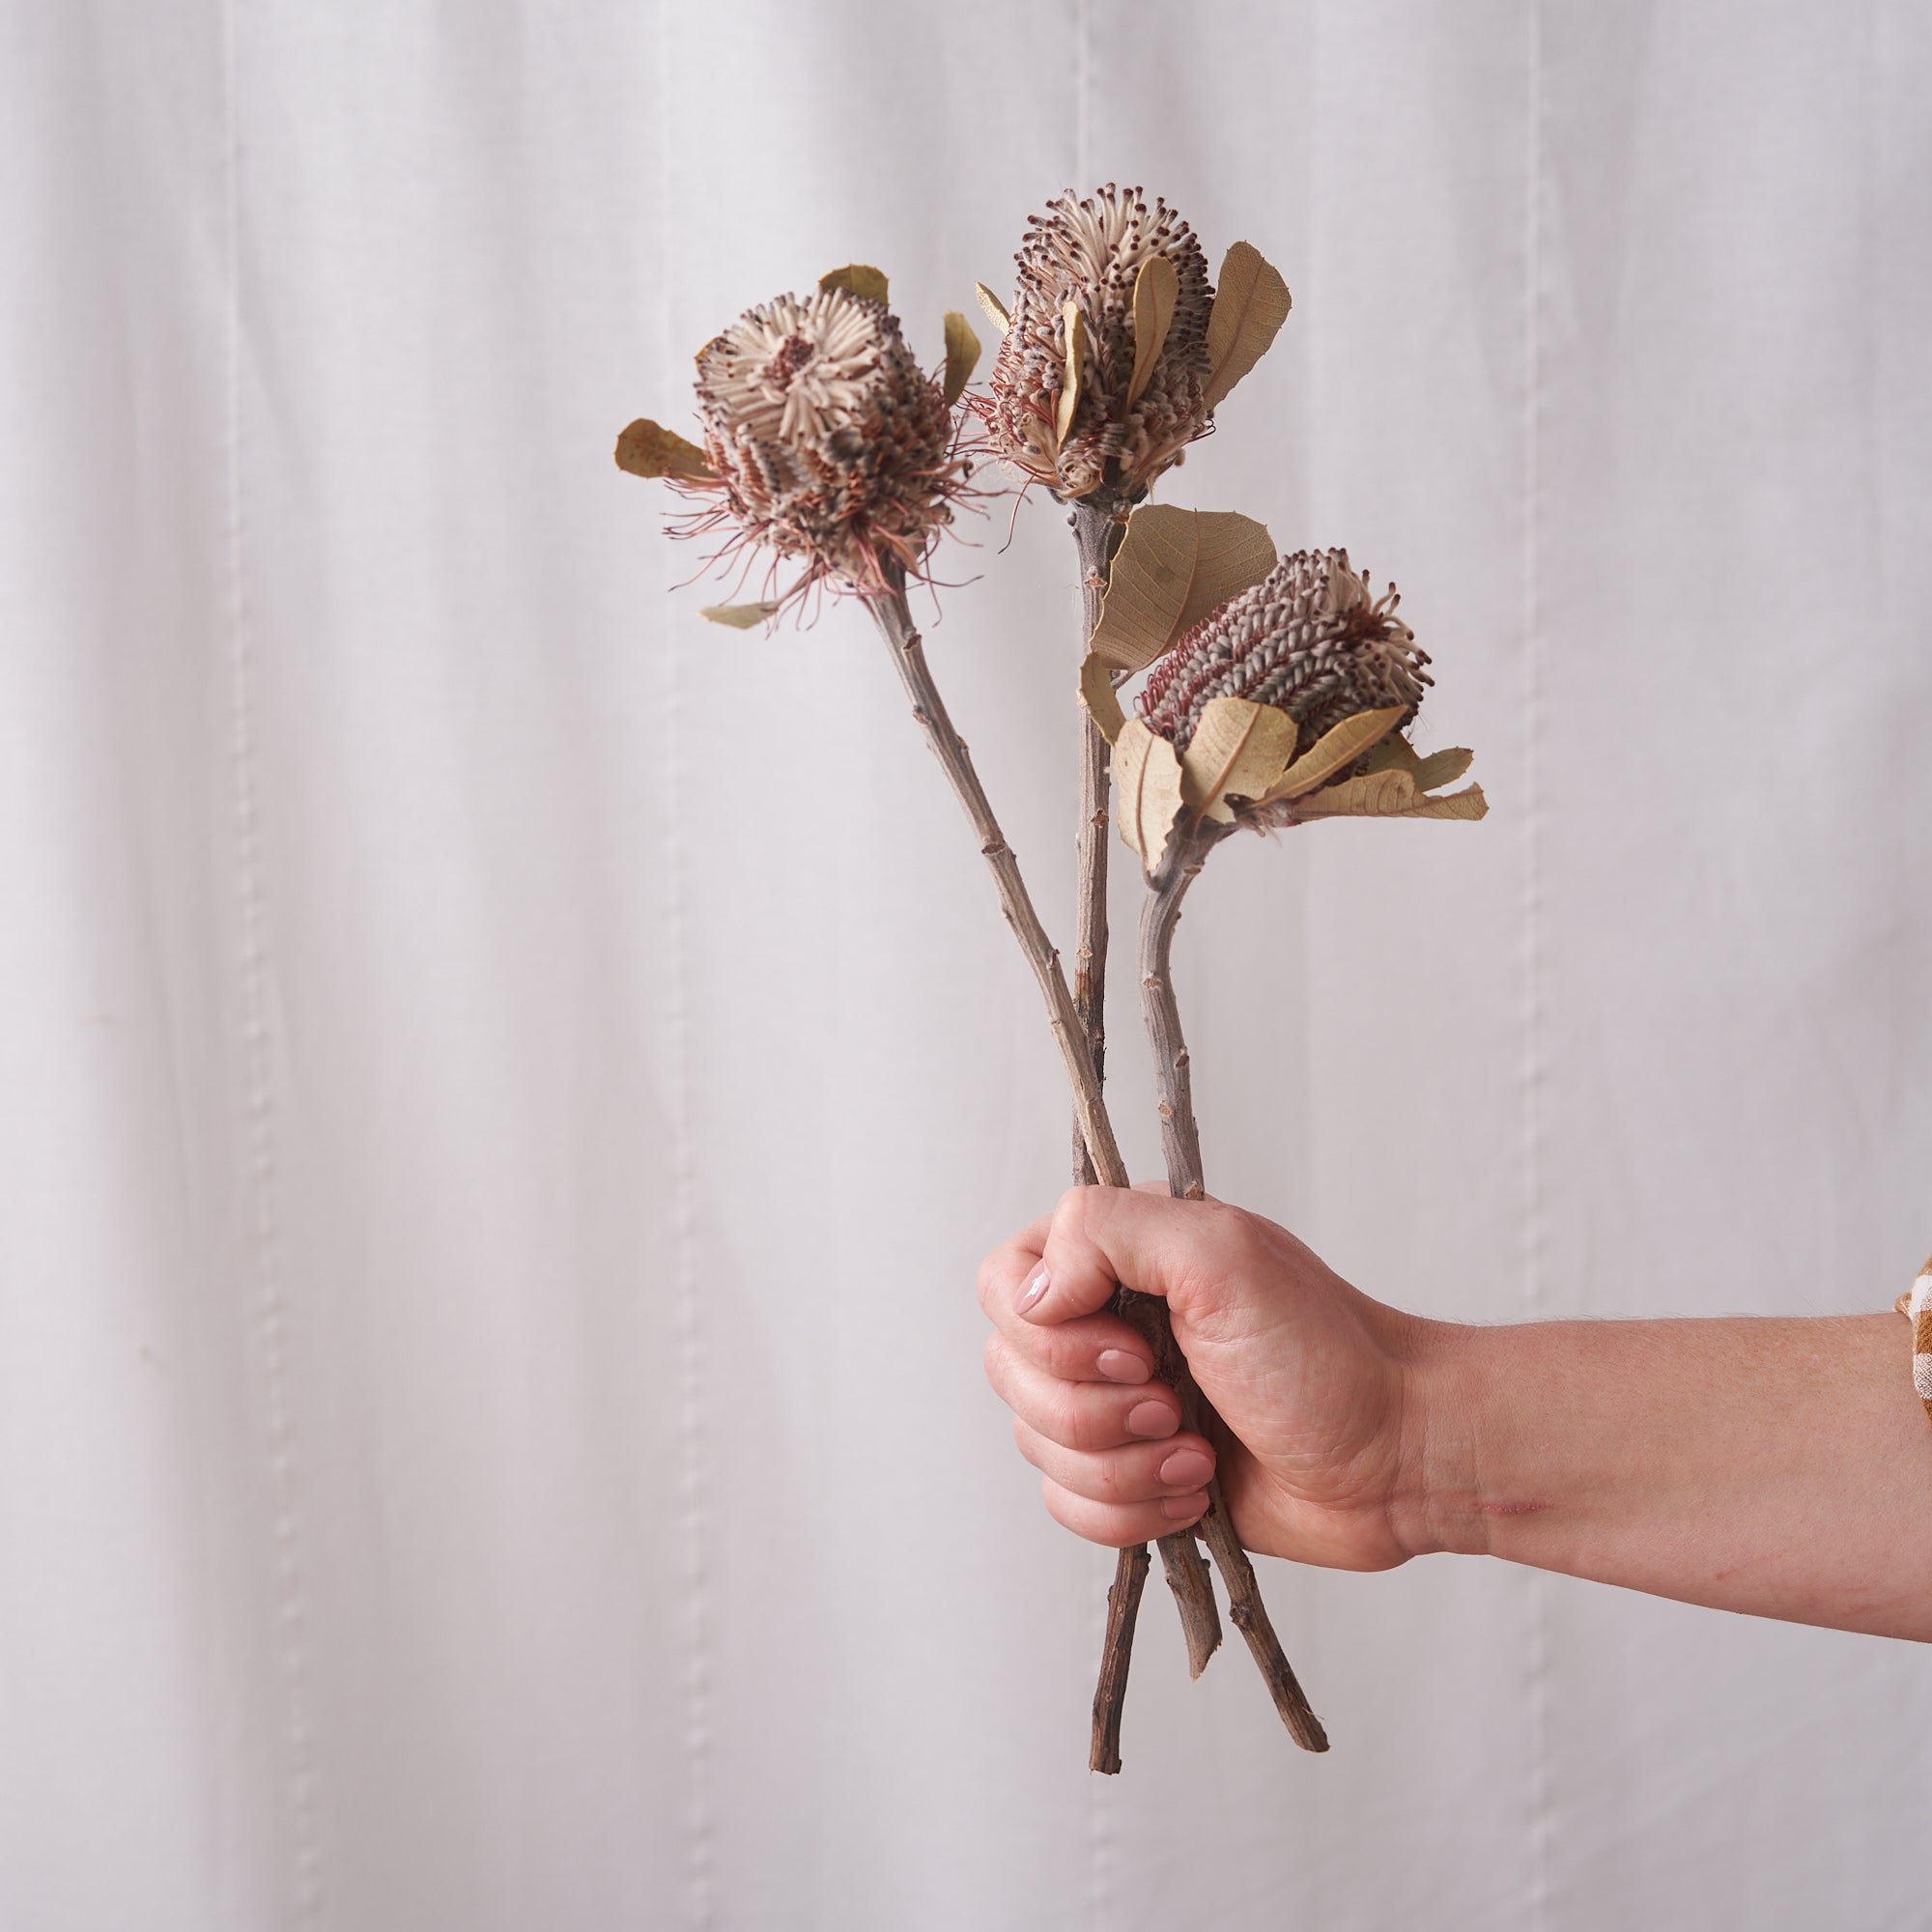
1097 1348
1103 1236
1007 1266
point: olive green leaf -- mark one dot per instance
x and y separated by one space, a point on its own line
859 279
962 354
648 449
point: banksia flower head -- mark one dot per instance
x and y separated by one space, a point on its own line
824 439
1115 355
1286 701
1310 640
1076 410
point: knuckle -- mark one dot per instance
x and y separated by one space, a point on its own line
991 1278
994 1356
1071 1427
1069 1215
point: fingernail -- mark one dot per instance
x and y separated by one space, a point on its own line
1179 1509
1034 1288
1186 1469
1117 1366
1151 1418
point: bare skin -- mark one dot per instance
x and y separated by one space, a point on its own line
1778 1467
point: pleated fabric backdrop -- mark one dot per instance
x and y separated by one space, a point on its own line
503 1087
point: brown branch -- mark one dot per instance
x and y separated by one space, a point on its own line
1181 1143
1124 1602
1098 522
1185 1570
893 619
1098 526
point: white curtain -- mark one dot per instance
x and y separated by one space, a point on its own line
503 1087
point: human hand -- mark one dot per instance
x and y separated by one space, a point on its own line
1307 1374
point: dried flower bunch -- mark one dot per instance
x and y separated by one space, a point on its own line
825 442
1277 692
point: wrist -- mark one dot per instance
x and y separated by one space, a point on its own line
1438 1504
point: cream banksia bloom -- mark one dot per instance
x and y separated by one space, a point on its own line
1117 349
825 442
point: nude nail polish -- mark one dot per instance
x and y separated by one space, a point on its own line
1186 1465
1117 1366
1034 1286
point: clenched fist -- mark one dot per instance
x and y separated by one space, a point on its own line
1307 1374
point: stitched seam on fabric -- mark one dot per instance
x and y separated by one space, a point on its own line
1534 1068
267 1309
699 1861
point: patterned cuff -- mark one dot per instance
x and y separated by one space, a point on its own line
1918 1305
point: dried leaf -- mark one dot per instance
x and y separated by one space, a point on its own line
1393 753
1096 693
1467 804
1174 567
1439 768
1076 368
1238 749
860 278
962 354
648 449
739 616
1147 775
1339 745
1156 290
1389 794
996 312
1251 303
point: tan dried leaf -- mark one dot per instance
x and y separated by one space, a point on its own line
648 449
739 616
1238 749
1467 804
962 354
1439 768
1393 753
1389 794
996 312
1339 745
861 279
1174 567
1156 288
1076 368
1096 693
1147 775
1251 303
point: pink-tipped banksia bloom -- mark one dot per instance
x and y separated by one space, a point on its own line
1114 355
1090 253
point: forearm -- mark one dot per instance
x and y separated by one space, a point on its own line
1778 1468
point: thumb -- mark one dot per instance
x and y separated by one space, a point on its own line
1102 1238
